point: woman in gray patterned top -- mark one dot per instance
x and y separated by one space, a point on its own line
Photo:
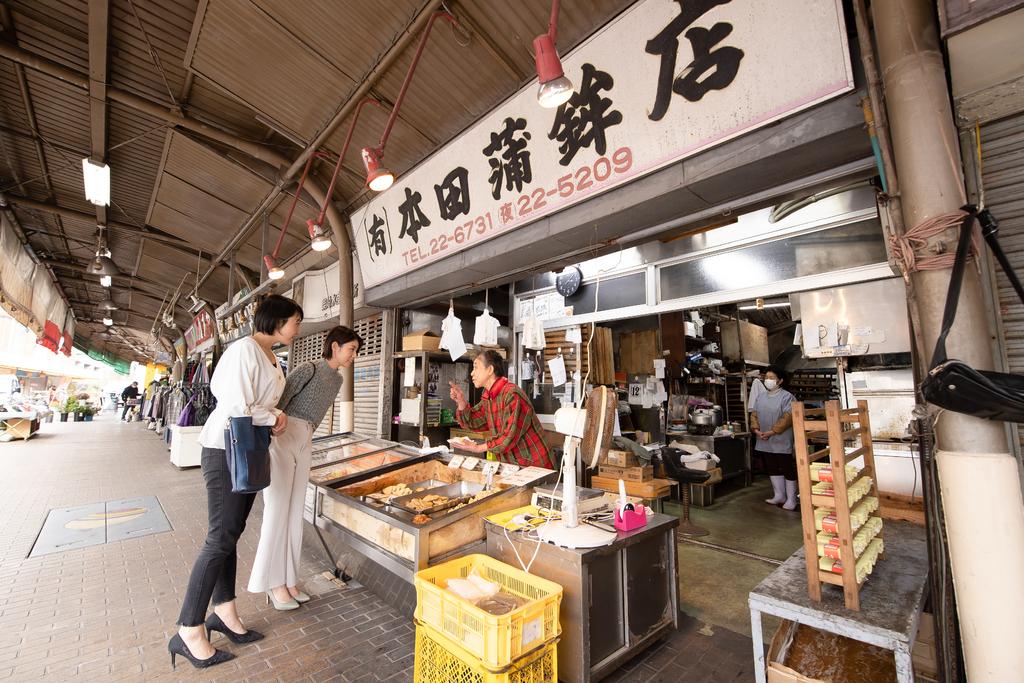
309 393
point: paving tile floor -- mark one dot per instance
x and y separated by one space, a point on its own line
105 613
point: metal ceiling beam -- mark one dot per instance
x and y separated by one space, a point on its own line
30 113
142 233
138 281
99 32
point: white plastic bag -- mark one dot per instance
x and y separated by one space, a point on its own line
451 336
533 333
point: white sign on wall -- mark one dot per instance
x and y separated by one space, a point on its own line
320 293
666 80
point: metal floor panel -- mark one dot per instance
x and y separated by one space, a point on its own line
98 523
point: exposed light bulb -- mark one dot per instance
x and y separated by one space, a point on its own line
106 280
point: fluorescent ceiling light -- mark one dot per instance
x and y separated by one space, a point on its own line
106 280
97 182
108 322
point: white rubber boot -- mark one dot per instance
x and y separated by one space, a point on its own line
790 495
779 488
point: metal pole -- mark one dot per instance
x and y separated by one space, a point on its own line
981 494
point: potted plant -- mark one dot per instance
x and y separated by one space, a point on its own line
70 407
87 413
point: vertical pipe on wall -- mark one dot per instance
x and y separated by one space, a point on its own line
981 494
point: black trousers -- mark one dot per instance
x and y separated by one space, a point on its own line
778 464
213 574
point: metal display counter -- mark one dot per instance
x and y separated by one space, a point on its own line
617 599
351 506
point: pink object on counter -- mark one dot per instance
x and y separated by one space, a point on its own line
628 520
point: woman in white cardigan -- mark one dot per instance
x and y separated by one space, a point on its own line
246 382
308 394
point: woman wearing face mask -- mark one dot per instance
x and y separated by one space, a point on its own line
246 382
308 394
773 410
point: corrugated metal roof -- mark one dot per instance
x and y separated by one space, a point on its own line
291 64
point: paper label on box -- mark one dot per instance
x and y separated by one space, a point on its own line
456 461
533 630
470 463
409 377
508 468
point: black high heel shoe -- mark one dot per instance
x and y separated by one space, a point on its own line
176 646
215 623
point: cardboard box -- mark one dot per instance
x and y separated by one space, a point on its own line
878 662
627 473
926 664
622 459
423 340
653 488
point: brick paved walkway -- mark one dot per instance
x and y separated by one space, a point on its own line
106 612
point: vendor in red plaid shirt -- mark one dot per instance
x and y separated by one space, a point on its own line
504 412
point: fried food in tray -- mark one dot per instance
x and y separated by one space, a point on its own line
439 498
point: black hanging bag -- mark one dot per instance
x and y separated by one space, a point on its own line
954 385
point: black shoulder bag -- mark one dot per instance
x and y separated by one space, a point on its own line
954 385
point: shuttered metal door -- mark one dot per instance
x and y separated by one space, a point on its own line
1003 181
367 371
368 376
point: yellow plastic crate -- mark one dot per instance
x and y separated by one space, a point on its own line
438 661
497 641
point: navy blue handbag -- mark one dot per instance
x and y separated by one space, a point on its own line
247 447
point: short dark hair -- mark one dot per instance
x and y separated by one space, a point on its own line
493 359
778 372
342 335
273 312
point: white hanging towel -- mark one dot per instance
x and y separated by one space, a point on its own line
756 389
533 333
451 336
486 333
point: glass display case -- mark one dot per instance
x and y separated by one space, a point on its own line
359 459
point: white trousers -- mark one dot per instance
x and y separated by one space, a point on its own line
280 546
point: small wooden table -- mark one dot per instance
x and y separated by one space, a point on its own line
890 608
20 425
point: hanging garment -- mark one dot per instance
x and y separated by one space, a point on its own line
756 389
533 334
486 332
451 336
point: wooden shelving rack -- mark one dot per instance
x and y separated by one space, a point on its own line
839 426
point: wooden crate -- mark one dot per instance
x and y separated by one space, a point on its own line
835 424
627 473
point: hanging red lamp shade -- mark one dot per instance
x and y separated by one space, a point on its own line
378 176
555 89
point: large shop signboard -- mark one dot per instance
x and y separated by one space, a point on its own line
666 80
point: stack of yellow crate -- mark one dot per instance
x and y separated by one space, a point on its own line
457 642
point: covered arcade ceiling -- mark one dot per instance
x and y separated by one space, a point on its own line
204 109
